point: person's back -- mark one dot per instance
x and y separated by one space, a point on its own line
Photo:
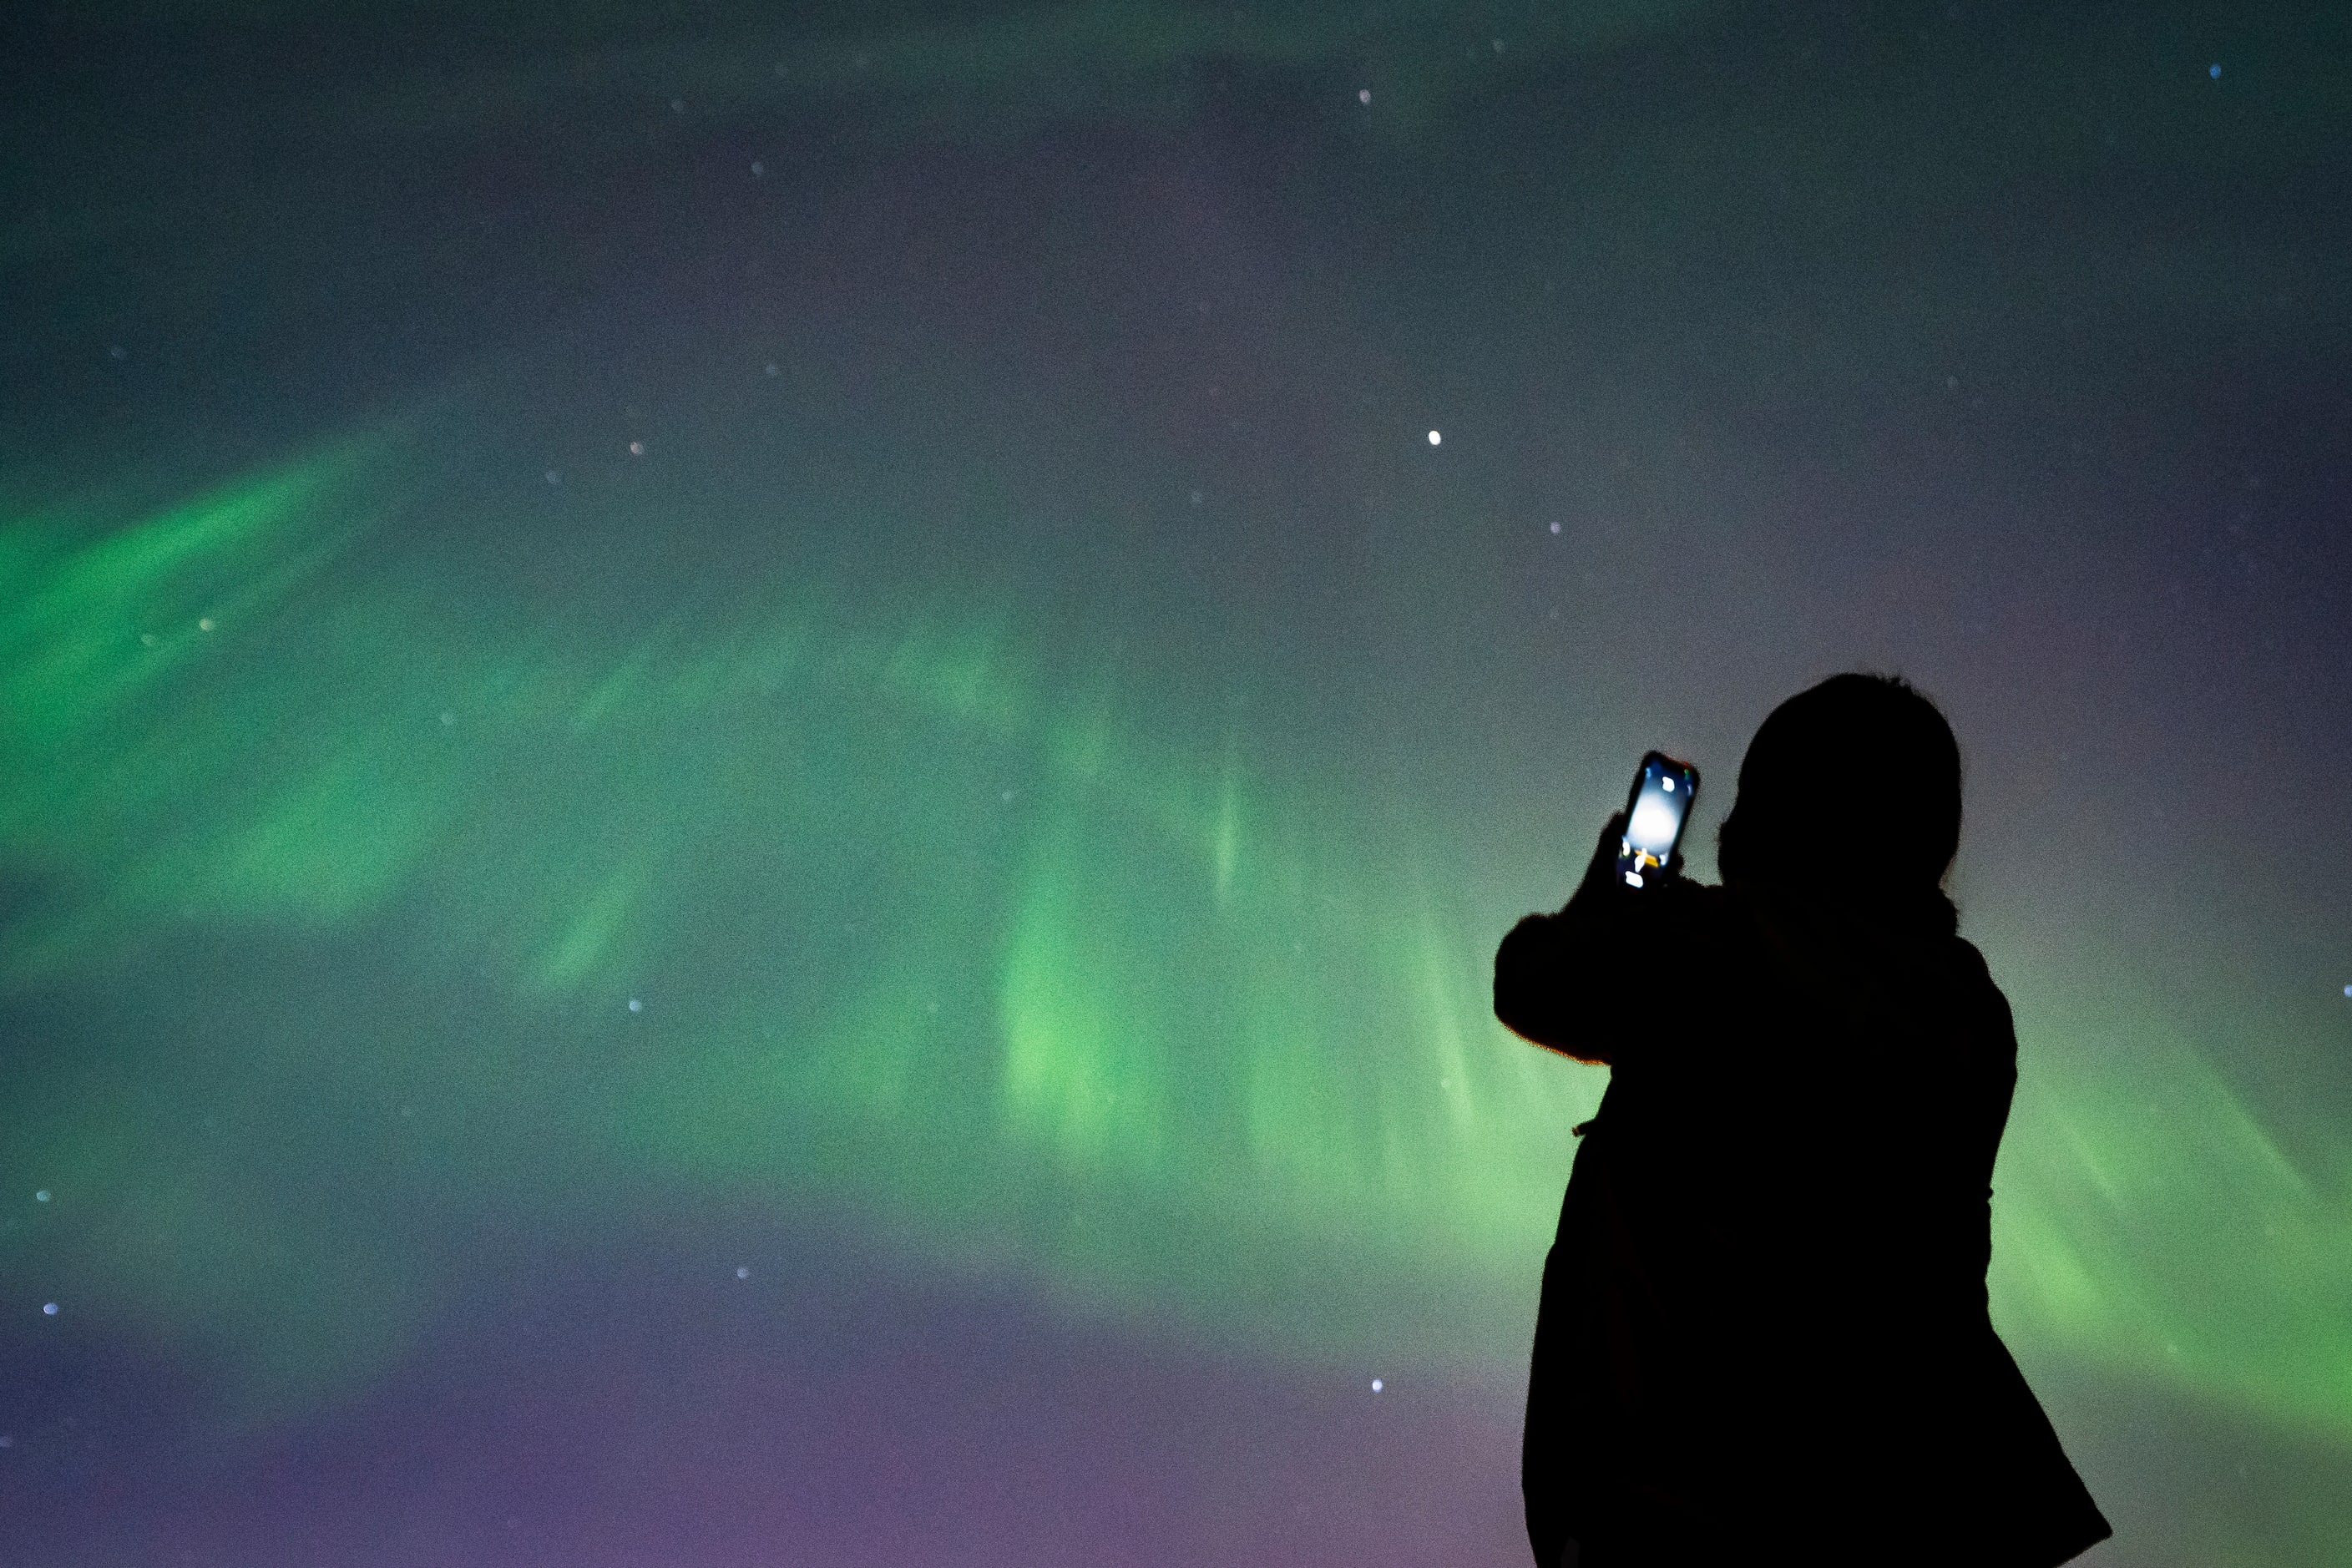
1764 1322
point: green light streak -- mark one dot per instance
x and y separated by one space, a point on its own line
2152 1225
1022 965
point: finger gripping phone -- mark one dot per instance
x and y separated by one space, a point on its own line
1655 813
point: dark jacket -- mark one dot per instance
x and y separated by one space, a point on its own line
1764 1322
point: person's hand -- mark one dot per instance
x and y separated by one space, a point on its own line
1601 873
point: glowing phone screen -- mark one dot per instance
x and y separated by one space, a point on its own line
1661 802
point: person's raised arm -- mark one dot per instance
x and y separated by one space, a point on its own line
1571 982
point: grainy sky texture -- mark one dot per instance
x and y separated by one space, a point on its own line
756 774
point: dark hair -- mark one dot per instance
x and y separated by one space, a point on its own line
1854 782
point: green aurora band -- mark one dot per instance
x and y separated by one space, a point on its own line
1048 969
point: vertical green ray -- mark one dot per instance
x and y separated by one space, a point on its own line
2149 1223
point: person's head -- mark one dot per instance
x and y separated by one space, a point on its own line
1850 786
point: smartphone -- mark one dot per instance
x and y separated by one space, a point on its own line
1655 814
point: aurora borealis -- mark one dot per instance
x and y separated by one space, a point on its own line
755 779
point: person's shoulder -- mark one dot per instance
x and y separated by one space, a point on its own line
1981 996
1967 956
1967 962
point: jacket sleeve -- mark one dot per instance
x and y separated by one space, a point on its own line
1580 981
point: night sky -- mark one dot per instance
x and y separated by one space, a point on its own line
756 776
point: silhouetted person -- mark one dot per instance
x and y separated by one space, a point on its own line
1763 1335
